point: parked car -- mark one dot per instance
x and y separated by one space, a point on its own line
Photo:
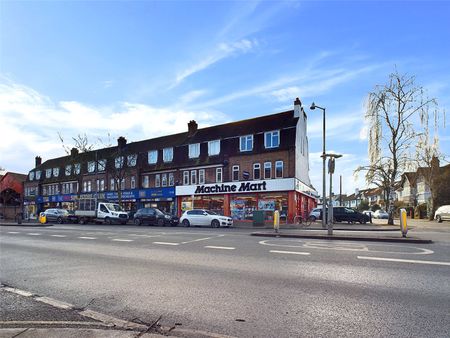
71 218
205 218
56 215
344 214
442 213
153 216
381 214
316 213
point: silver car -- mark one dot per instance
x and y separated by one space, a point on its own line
56 215
442 213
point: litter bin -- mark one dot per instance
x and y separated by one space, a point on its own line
258 217
42 218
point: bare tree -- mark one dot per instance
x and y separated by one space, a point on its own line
394 111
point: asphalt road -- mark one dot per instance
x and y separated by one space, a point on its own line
226 282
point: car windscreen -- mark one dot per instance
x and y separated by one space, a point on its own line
159 212
113 207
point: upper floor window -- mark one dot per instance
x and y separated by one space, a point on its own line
133 182
102 185
48 173
31 175
152 156
219 173
131 160
213 147
246 143
185 177
77 168
55 172
201 176
279 169
256 171
171 179
167 154
272 139
267 170
68 170
118 162
38 174
122 184
91 166
157 180
145 181
193 176
194 150
101 165
235 173
163 180
112 184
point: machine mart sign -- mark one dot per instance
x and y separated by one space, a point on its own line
283 184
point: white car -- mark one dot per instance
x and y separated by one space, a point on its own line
381 214
442 213
204 217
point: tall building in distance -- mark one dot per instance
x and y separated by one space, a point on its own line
233 169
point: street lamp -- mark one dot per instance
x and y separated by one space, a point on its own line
324 199
331 165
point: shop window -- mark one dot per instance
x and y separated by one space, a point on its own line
267 170
38 174
164 180
242 206
101 165
279 169
246 143
167 154
55 172
256 171
91 166
271 202
152 156
235 173
77 168
219 175
145 181
194 150
118 162
48 173
213 147
272 139
171 179
68 170
112 185
133 182
201 176
185 177
193 176
131 160
157 180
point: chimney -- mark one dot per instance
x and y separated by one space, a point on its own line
297 107
38 161
121 142
73 152
192 127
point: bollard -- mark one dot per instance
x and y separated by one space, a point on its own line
276 220
403 222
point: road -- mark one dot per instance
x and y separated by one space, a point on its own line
223 281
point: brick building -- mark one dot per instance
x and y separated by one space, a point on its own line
234 169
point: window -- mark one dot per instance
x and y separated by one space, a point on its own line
38 174
256 171
171 179
31 175
102 185
201 176
77 168
152 156
112 184
98 185
194 150
219 175
164 180
246 143
213 147
145 182
235 173
185 177
118 162
279 169
133 182
157 180
68 170
167 154
84 186
89 186
101 165
55 172
122 184
193 176
131 160
267 169
272 139
91 166
48 173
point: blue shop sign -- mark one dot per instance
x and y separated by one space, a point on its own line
56 198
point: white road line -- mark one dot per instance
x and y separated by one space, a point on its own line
122 240
290 252
87 237
166 243
33 234
201 239
54 302
403 260
220 247
13 232
60 236
18 291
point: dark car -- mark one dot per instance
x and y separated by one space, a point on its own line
343 214
154 216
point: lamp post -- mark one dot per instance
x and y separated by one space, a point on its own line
324 199
331 165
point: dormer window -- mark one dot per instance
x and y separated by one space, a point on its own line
118 162
194 150
213 147
48 173
167 154
272 139
246 143
77 168
55 172
101 165
68 170
31 175
38 174
91 166
131 160
152 156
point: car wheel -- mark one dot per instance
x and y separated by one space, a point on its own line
215 223
108 221
186 223
312 218
160 222
362 221
439 219
59 220
137 221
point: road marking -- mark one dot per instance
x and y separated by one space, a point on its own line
220 247
403 260
291 252
201 239
111 320
33 234
54 302
122 240
61 236
13 232
87 237
165 243
18 291
57 323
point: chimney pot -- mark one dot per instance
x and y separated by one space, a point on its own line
297 102
38 161
192 127
73 152
121 142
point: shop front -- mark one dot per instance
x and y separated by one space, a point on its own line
65 201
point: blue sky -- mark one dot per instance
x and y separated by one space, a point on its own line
144 69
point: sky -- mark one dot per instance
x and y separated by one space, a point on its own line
143 69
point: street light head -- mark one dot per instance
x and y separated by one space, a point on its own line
313 106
